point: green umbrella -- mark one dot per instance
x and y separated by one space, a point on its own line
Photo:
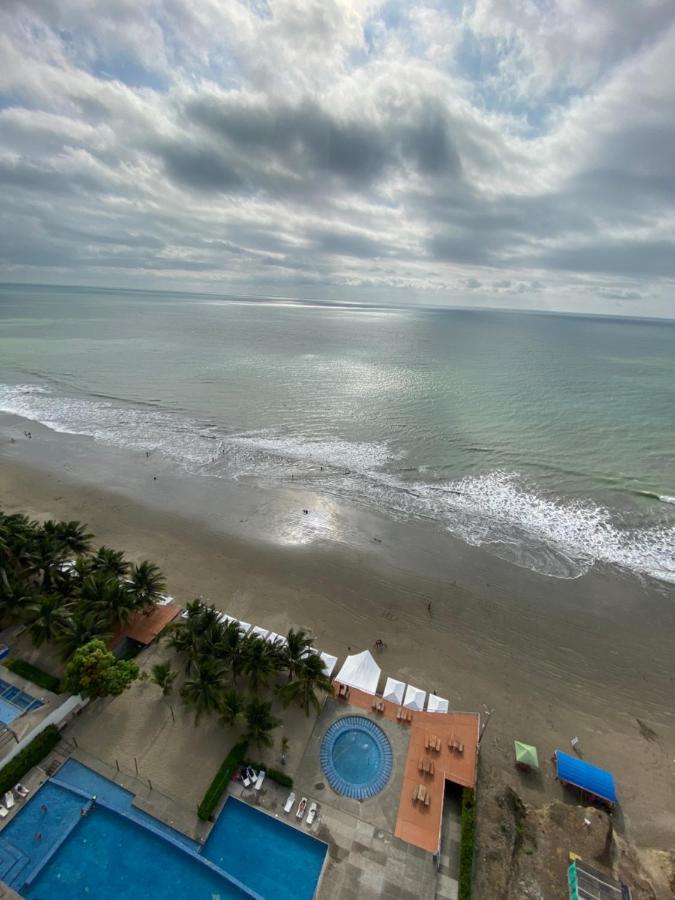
526 755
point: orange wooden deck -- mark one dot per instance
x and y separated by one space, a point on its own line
415 823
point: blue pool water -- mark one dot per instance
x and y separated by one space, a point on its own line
74 774
14 702
108 858
356 757
274 859
49 849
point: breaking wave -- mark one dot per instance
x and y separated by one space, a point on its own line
500 510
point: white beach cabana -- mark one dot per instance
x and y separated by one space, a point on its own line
244 627
393 691
360 671
414 698
260 632
329 662
272 637
437 704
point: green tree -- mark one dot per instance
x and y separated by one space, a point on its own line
111 562
81 628
297 647
73 536
231 707
259 662
94 672
46 617
146 584
203 691
109 596
310 677
260 722
164 676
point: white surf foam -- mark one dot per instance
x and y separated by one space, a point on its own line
500 510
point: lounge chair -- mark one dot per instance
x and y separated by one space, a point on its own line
415 793
21 789
9 800
250 775
289 803
261 778
302 806
3 812
311 815
427 798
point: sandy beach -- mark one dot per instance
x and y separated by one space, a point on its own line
549 658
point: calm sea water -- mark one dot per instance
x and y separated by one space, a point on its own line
502 428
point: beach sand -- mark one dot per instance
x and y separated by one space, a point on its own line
549 658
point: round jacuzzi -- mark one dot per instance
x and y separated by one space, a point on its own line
356 757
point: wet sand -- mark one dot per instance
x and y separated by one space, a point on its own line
592 657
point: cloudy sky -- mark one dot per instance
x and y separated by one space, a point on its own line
495 152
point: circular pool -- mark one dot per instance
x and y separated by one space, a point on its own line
356 757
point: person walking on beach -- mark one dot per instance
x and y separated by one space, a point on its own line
429 609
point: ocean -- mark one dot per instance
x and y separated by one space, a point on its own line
522 433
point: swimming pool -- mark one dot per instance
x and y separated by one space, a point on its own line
356 757
14 702
108 858
274 859
51 850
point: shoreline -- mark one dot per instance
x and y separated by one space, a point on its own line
590 657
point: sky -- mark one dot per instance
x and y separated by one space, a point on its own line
501 153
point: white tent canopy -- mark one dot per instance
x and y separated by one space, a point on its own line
437 704
414 698
329 662
272 637
360 671
244 627
259 631
394 690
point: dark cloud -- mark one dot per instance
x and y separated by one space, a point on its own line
289 149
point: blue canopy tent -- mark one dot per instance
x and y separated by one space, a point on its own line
588 778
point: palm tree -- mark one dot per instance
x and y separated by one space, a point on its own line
46 617
231 707
297 647
111 562
259 662
146 583
232 648
72 535
46 558
259 722
82 627
311 677
204 690
105 593
164 676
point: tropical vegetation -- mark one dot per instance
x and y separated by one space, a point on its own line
223 777
228 674
29 757
95 672
63 591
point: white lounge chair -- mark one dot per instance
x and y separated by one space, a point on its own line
9 800
3 812
21 789
249 776
289 803
311 815
261 778
302 806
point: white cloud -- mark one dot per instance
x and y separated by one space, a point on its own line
488 152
